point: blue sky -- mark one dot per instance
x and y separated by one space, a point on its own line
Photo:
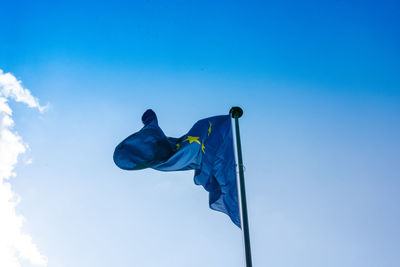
319 84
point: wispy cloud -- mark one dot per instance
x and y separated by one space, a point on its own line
14 244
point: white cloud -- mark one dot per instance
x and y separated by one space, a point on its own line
14 244
10 87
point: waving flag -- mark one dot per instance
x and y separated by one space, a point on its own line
207 148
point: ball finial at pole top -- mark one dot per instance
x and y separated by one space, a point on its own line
236 112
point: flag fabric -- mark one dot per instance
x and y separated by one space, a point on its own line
207 149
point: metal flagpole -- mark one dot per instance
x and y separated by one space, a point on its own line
236 113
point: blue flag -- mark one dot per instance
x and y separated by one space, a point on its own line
207 149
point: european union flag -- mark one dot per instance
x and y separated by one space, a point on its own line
207 149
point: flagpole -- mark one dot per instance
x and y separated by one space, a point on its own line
236 113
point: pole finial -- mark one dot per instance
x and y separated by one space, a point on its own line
236 112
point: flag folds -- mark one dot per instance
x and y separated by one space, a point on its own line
207 149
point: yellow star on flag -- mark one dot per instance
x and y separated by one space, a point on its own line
192 139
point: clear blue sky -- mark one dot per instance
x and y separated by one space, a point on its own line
320 87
